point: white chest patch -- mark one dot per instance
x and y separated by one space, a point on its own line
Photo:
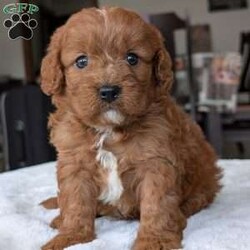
108 161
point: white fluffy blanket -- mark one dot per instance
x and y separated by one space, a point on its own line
24 224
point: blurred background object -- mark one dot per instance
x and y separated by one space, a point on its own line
24 118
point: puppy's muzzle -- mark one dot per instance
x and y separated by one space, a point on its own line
109 93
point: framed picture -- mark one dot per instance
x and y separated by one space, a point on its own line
220 5
218 77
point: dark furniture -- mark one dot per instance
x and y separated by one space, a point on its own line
245 51
24 116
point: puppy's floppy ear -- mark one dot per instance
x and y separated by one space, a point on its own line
52 78
163 69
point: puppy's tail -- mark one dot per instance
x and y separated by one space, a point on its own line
50 203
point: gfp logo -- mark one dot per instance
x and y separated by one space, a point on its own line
20 24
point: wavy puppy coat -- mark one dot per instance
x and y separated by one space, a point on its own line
124 147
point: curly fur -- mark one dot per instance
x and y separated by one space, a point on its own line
138 157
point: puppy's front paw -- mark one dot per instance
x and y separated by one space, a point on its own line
156 244
62 241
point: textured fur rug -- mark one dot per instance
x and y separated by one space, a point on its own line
24 224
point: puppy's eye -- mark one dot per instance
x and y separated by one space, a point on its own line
132 59
81 62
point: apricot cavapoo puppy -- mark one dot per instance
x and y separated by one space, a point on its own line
125 149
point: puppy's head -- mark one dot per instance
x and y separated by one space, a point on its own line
107 66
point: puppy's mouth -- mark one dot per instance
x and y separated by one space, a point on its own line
113 116
110 95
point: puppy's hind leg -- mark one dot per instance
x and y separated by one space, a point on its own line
204 194
194 205
50 203
56 222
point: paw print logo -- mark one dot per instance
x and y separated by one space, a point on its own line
20 26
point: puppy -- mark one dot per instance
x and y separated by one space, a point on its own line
125 149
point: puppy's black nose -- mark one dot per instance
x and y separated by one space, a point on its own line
109 93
